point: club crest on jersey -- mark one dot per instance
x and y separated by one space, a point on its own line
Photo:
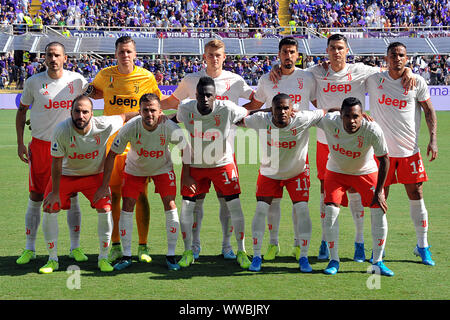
217 119
294 131
360 141
162 138
300 83
405 93
70 86
227 85
136 87
349 76
97 139
336 133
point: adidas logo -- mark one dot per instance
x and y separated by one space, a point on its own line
172 184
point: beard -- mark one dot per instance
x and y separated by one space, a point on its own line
82 126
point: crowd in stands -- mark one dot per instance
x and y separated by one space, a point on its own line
172 14
373 13
170 70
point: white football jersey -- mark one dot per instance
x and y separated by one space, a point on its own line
84 155
229 86
352 153
299 85
50 100
334 87
209 135
283 151
397 111
149 154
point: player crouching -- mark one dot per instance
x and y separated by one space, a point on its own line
78 148
149 157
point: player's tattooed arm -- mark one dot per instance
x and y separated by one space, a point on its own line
92 92
431 120
21 117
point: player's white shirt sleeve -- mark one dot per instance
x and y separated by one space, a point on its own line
352 154
124 136
187 87
237 113
50 100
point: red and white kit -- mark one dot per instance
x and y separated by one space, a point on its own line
398 112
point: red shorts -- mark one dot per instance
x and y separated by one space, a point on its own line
321 159
298 187
87 185
133 186
336 184
406 170
225 180
40 165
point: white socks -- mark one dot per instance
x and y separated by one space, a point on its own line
186 221
273 220
104 230
50 229
258 226
357 210
74 222
126 231
419 216
303 226
32 221
237 219
227 227
197 223
322 215
172 229
379 232
331 227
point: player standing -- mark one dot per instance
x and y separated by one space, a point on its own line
286 134
398 112
300 85
148 157
121 87
229 86
78 148
335 82
49 96
353 142
209 122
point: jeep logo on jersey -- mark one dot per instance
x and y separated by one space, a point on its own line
64 104
346 88
127 102
392 102
81 156
284 144
296 98
150 154
347 153
222 98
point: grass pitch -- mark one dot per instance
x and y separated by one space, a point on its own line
211 277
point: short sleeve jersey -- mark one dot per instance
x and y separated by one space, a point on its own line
50 100
229 86
334 87
284 150
209 135
83 154
300 86
397 111
352 154
149 154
